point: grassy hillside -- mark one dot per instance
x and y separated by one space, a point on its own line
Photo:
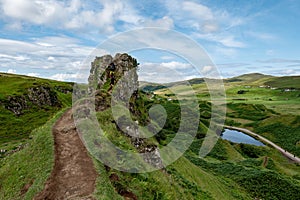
27 103
24 173
284 82
248 77
230 171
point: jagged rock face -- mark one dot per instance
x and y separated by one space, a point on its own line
152 156
38 96
97 76
43 95
16 104
125 74
125 66
125 91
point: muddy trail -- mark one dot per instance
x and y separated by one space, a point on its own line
73 175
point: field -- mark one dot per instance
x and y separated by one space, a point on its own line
229 171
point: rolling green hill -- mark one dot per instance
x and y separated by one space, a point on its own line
230 171
284 82
248 77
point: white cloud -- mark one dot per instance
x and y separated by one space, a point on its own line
206 69
167 57
37 12
50 58
70 14
11 71
166 72
206 23
10 57
289 72
193 15
174 65
46 55
70 77
229 41
226 40
210 27
33 74
201 18
165 22
196 10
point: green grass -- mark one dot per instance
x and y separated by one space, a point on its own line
285 136
31 165
15 129
182 180
256 181
104 188
230 171
18 84
284 82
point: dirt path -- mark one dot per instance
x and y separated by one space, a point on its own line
284 152
73 175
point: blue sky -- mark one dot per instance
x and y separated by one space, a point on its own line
52 38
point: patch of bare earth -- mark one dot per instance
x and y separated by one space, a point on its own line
73 175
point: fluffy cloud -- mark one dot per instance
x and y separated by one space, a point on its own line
166 72
196 10
11 71
33 74
44 56
70 14
38 12
206 69
70 77
193 15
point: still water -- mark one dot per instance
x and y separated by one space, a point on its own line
240 137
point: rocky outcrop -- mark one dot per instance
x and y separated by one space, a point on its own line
125 66
43 95
36 96
16 104
124 90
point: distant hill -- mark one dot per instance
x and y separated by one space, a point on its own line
253 79
248 77
284 82
150 87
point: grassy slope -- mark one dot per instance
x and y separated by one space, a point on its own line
284 82
183 179
16 129
256 113
187 178
29 167
250 170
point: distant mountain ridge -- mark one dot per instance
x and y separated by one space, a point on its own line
251 78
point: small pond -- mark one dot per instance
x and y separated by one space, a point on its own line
240 137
